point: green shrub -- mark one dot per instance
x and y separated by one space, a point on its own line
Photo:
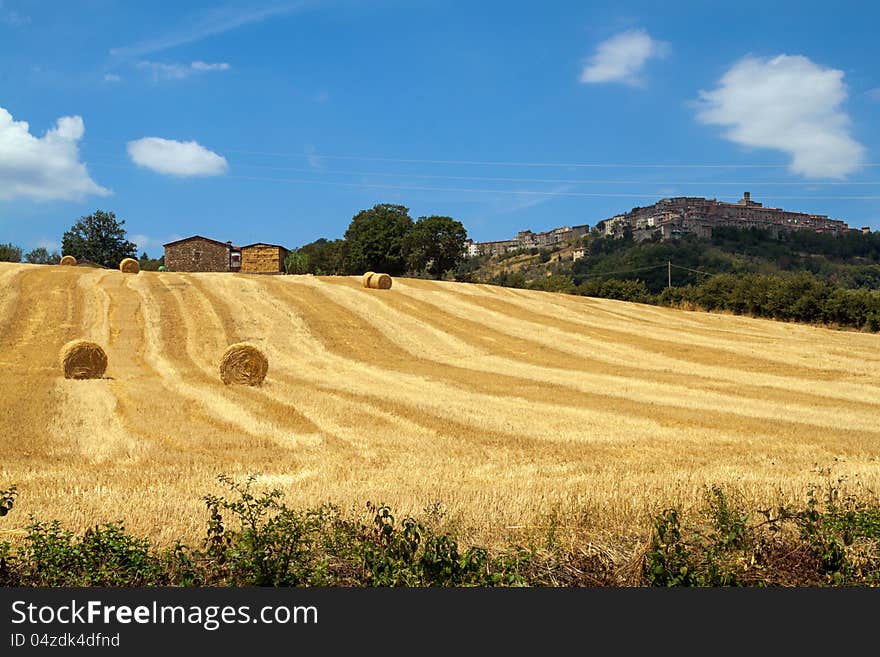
254 539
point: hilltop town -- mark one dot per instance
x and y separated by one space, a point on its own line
671 218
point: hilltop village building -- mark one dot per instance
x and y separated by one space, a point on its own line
202 254
526 239
673 217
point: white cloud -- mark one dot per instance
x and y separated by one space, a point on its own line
174 71
622 58
790 104
112 77
206 66
44 168
176 158
142 241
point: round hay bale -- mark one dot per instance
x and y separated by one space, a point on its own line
129 266
244 364
81 359
366 278
68 261
380 282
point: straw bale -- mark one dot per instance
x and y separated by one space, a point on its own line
81 359
243 364
380 282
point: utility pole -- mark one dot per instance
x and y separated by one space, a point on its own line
668 274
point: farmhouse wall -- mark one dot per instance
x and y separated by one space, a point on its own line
197 254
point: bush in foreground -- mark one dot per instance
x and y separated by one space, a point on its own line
254 539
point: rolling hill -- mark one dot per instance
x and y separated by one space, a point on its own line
505 406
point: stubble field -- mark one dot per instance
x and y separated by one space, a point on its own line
511 410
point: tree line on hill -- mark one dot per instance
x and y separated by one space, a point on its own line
385 239
799 276
793 276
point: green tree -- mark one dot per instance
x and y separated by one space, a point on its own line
150 264
297 262
435 244
41 256
10 253
326 257
375 239
99 237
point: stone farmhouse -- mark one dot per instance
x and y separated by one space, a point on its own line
203 254
673 217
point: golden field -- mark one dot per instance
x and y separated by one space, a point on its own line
507 407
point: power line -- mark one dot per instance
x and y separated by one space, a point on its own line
696 271
610 165
567 181
622 271
523 192
640 269
502 163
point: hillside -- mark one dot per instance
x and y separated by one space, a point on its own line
504 405
849 261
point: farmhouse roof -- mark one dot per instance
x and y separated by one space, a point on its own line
277 246
199 237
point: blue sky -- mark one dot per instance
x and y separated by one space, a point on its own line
278 121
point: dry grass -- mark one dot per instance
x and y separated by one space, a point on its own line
516 410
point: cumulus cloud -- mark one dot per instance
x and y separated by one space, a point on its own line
622 58
176 158
43 168
174 71
787 103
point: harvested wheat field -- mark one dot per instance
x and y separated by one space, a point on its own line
506 407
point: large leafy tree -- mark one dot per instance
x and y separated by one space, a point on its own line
100 238
435 244
375 239
10 253
325 257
